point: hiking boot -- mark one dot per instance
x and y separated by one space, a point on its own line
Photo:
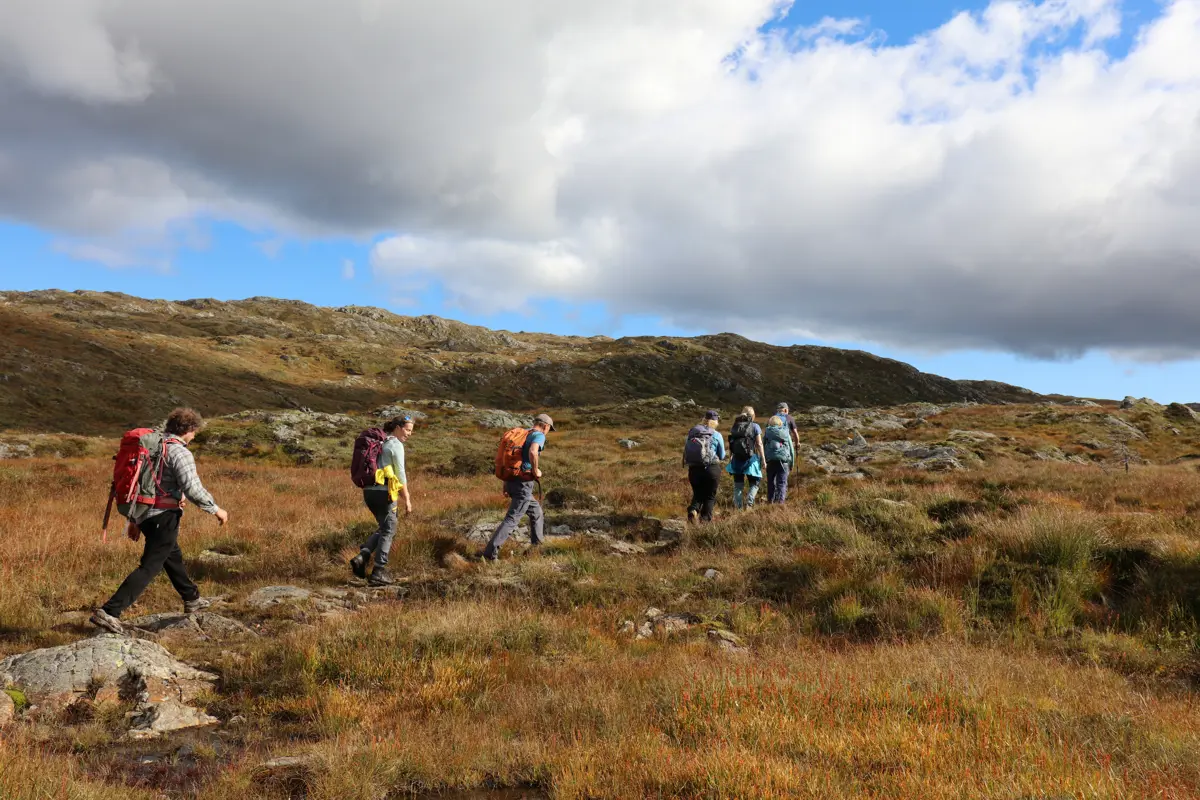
693 516
380 577
105 621
199 604
358 565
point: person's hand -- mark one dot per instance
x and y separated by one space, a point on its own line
407 506
538 474
222 516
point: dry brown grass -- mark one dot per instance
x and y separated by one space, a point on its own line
1020 630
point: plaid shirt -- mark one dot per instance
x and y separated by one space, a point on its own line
180 479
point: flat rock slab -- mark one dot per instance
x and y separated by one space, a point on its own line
269 596
58 675
221 559
170 715
204 625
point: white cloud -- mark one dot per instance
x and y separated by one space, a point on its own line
998 182
347 269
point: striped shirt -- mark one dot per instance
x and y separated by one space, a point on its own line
179 478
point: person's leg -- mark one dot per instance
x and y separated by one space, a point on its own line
155 554
772 468
175 568
713 474
520 492
387 532
536 519
698 478
739 488
785 469
378 503
752 491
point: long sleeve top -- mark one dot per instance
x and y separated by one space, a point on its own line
180 479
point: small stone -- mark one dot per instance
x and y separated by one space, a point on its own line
858 440
711 574
455 562
728 641
645 631
628 444
669 624
560 530
652 613
235 721
627 628
215 558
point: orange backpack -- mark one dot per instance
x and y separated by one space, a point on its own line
510 456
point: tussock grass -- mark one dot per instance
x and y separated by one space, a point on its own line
1020 629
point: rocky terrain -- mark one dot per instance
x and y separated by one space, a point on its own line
97 363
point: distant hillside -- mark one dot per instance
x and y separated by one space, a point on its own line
92 362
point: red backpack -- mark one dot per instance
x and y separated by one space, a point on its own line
510 457
137 476
365 460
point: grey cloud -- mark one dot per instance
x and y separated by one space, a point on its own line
665 158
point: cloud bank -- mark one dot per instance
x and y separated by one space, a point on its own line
999 182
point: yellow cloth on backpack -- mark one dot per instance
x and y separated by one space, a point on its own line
388 476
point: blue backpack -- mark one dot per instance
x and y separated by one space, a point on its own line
700 450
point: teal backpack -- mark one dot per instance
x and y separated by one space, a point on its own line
776 444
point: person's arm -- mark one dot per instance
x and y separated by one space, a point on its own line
535 457
184 464
399 469
719 444
758 442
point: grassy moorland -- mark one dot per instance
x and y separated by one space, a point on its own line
1027 627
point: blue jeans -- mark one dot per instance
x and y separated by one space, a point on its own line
742 497
380 542
523 502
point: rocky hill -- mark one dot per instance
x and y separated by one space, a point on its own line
93 362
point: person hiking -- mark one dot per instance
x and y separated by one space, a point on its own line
159 524
784 413
781 454
382 499
746 458
520 472
702 455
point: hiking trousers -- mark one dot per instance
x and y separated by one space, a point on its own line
379 543
522 502
704 480
162 552
777 480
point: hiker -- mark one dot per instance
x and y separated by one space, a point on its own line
702 455
518 464
158 522
382 496
784 413
781 454
746 458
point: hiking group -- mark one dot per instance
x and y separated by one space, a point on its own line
154 476
753 453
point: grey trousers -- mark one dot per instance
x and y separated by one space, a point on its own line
380 542
523 502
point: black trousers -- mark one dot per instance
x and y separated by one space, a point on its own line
162 552
704 482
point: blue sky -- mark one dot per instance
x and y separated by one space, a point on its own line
231 261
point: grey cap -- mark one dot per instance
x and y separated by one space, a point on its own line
712 413
544 419
782 407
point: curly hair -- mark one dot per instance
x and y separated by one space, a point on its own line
183 421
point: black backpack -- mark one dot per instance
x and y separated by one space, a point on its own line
742 440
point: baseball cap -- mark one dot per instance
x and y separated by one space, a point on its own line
712 414
544 419
780 406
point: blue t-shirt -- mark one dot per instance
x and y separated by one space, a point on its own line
534 437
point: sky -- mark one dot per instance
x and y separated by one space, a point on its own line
1004 190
